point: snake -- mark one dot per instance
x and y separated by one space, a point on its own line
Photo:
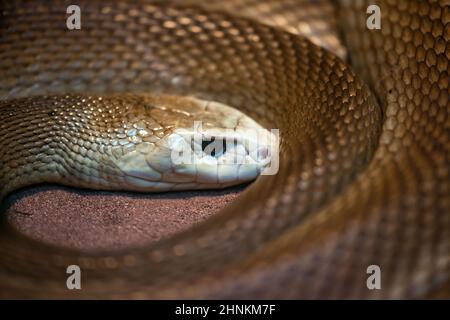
364 142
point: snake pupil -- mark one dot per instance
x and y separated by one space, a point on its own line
211 146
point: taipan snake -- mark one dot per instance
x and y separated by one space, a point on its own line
364 142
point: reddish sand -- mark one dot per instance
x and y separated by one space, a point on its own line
109 220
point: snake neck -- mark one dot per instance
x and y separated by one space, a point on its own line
58 139
28 146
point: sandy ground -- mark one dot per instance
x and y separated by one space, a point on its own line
109 220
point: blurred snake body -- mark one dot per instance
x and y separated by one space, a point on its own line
364 145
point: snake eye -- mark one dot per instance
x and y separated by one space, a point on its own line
214 147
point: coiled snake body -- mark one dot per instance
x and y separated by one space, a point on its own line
364 153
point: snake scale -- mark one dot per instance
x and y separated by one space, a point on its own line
364 123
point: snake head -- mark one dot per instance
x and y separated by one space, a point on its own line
206 145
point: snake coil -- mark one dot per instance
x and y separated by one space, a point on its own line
364 149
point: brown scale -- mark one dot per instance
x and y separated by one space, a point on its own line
364 175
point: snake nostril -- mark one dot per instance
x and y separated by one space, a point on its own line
263 153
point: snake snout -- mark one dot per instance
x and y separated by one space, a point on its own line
198 160
222 157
